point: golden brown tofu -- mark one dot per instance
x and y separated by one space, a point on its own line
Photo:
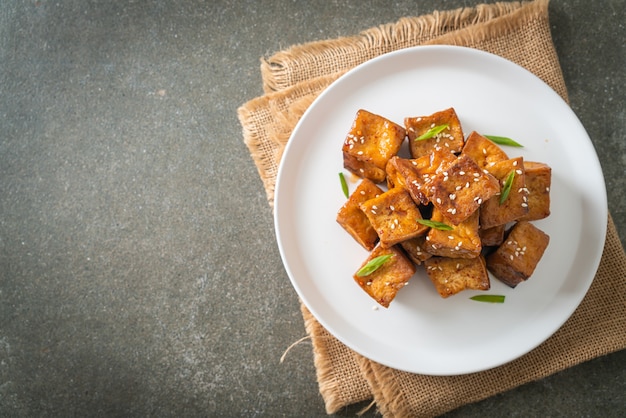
394 216
415 249
384 283
459 189
538 180
424 170
352 218
370 143
450 138
492 211
516 259
462 241
482 150
453 275
491 237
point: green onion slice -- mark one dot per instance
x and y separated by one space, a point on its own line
489 298
344 185
373 265
503 140
431 132
506 188
435 225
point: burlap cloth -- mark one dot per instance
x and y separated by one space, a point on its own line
293 78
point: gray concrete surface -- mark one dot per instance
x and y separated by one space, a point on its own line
139 273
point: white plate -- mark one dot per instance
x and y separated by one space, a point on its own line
421 332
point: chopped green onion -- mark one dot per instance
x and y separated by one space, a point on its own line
435 225
344 185
431 132
373 265
503 140
489 298
506 187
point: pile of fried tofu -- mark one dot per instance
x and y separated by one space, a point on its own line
457 206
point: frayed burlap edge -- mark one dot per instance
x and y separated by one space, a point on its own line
268 121
337 390
304 62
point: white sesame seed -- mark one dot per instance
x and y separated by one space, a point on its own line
458 188
524 205
519 172
452 196
392 207
462 173
514 163
484 151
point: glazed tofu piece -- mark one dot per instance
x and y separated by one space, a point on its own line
516 259
482 150
496 212
450 138
463 241
492 237
459 189
538 180
370 143
352 218
415 175
384 283
415 249
394 217
453 275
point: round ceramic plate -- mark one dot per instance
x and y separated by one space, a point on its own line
421 332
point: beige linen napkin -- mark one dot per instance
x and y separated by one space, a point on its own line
292 79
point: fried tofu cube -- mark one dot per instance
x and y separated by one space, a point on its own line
415 249
450 138
459 189
424 170
492 211
463 241
453 275
384 283
370 143
492 237
400 172
538 178
394 216
516 259
352 218
482 150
